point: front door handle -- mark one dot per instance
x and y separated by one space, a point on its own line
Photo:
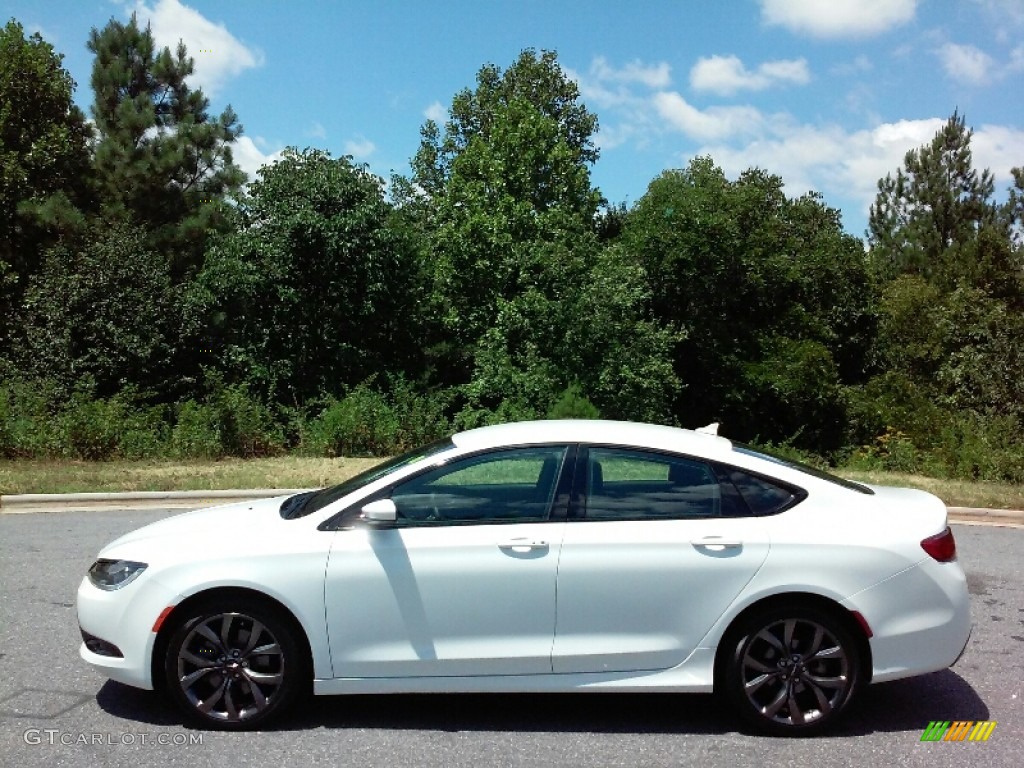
717 543
522 545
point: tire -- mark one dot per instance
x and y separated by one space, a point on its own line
798 693
235 664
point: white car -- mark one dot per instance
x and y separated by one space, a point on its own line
539 556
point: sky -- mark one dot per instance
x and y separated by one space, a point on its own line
827 94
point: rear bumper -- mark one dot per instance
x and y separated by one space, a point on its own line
920 618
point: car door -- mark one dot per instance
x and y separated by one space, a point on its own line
464 582
653 553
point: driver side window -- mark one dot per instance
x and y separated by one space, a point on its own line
516 485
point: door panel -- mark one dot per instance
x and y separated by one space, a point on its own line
465 585
639 593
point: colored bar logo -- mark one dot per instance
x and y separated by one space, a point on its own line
958 730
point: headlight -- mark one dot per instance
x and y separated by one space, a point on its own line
114 574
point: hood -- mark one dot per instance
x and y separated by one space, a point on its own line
197 530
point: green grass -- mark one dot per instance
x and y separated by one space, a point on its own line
303 472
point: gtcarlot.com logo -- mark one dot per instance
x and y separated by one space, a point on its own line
958 730
55 737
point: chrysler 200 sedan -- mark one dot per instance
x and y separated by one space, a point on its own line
541 556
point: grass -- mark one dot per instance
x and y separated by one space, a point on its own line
303 472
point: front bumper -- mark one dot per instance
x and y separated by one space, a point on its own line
123 618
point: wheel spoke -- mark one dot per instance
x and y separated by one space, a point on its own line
257 694
795 713
787 634
824 704
826 682
758 682
757 665
204 630
254 636
819 636
776 703
229 702
189 680
198 661
207 705
835 652
225 630
264 678
771 639
271 649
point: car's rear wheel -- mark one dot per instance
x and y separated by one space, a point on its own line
234 664
792 672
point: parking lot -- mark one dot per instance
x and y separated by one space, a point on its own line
56 711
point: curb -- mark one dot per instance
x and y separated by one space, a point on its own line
24 503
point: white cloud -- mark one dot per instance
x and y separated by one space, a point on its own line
838 18
725 75
219 55
656 76
708 124
436 112
247 154
846 165
1017 59
967 64
606 86
317 131
360 148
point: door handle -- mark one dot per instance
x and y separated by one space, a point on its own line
522 545
717 543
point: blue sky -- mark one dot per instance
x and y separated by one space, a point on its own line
829 94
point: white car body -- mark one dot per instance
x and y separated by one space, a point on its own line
552 605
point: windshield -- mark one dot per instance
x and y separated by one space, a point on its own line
307 503
800 467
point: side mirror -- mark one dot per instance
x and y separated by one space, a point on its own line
380 511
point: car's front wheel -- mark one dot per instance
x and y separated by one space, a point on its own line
791 672
234 664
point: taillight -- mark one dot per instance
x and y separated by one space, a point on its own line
941 546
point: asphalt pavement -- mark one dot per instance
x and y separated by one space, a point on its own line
55 711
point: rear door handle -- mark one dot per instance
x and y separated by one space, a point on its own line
717 543
522 545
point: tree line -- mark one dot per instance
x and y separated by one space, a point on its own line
153 303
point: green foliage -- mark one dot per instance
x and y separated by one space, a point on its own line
43 161
573 404
161 160
314 292
229 422
769 299
105 314
369 422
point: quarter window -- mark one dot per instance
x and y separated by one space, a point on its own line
636 485
512 485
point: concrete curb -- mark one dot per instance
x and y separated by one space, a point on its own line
24 503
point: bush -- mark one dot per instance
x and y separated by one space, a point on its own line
27 425
230 423
362 423
573 404
197 433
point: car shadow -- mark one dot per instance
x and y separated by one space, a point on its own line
906 705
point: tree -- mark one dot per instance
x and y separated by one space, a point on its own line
161 161
43 161
313 293
937 217
103 317
510 201
768 295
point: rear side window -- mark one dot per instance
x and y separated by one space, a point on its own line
763 496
